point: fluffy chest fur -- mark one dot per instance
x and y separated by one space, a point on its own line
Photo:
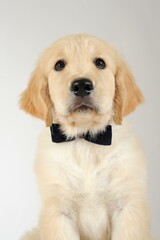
90 181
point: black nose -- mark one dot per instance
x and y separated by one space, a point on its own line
82 87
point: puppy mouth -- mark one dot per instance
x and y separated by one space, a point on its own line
82 104
82 107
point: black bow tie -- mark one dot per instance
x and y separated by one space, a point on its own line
102 138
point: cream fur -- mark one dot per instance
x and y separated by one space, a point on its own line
91 191
88 191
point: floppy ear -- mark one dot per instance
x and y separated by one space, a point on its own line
35 99
127 95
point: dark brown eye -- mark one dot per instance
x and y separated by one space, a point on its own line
60 65
100 63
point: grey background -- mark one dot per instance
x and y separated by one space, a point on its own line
26 28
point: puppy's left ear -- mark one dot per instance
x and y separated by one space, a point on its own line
36 99
127 94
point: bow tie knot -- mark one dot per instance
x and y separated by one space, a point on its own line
102 138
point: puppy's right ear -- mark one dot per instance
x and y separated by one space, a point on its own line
36 99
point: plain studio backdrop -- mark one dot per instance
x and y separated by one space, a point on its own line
27 27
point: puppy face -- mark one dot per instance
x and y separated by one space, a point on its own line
82 83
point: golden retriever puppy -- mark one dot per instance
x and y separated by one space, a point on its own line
91 173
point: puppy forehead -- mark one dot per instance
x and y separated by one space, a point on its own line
81 44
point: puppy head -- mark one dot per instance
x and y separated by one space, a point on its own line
82 83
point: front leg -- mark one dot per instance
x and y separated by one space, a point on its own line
131 221
57 223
